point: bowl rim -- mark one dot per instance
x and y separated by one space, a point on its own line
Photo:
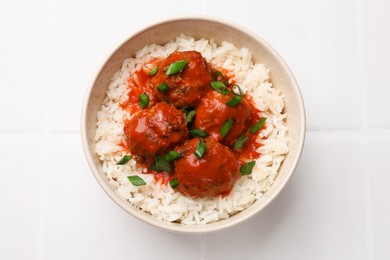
178 228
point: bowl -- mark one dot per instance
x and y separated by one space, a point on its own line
197 27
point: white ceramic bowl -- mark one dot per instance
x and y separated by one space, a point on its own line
197 27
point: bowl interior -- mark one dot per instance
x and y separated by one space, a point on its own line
161 33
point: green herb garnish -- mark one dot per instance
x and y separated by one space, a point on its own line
190 116
136 180
234 101
200 149
176 67
174 183
187 109
246 168
143 100
218 76
239 143
160 164
220 87
163 87
124 160
198 133
240 92
153 71
226 127
256 127
171 156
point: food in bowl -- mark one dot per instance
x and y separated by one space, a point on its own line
197 128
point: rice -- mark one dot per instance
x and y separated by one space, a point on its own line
160 200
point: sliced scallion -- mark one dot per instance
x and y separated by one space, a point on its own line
163 87
218 76
234 90
171 156
226 127
124 160
239 143
259 124
153 167
220 87
153 71
174 183
143 100
200 149
162 165
136 180
246 168
234 101
198 133
176 67
190 116
187 109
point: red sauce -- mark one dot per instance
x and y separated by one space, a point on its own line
212 175
161 126
185 88
249 151
213 112
155 130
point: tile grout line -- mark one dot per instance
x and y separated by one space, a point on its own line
46 133
360 19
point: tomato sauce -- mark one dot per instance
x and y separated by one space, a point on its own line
161 126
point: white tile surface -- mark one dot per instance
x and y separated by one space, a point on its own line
320 215
22 63
21 160
377 42
336 205
379 169
83 223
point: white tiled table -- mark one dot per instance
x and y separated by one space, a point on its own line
336 206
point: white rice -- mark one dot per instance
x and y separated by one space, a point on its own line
162 201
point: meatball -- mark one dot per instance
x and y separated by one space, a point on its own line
154 130
213 174
189 86
213 112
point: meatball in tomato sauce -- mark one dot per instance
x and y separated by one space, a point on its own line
187 87
213 112
154 130
211 175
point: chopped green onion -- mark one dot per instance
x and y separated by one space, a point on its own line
198 133
162 165
246 168
200 149
153 167
226 127
234 101
124 160
218 76
136 180
239 143
176 67
174 183
163 87
240 92
153 71
256 127
171 156
186 109
220 87
190 116
143 100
